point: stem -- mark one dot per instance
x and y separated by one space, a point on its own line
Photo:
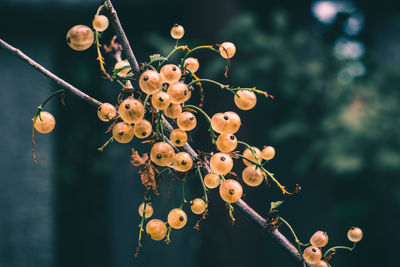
183 193
48 99
209 81
209 47
205 197
333 249
295 237
210 129
119 31
251 149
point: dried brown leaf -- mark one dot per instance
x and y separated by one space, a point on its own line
147 175
138 160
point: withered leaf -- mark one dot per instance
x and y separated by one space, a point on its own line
147 175
138 160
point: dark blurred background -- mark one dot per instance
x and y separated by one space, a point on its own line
333 67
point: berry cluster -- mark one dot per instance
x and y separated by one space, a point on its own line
157 95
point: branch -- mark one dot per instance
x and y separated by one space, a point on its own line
241 206
56 79
116 24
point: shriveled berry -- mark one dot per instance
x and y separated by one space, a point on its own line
106 112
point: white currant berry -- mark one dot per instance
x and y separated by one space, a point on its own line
221 163
198 206
106 112
227 50
191 64
45 122
150 82
80 37
319 239
177 31
149 210
355 234
312 255
170 73
230 191
122 64
245 99
268 153
100 23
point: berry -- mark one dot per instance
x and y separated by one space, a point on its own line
121 64
319 239
150 82
226 142
177 218
248 154
198 206
312 255
245 99
45 122
170 73
160 100
268 153
355 234
191 64
186 121
149 210
106 112
252 176
177 31
178 92
142 129
100 23
80 37
320 264
183 162
230 191
123 132
221 163
173 111
162 154
212 180
131 110
228 122
178 137
235 122
156 229
227 50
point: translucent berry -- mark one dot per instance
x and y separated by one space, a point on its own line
248 154
156 229
234 122
123 132
80 37
230 191
245 99
183 162
178 137
173 111
226 142
131 110
228 122
45 123
142 129
198 206
312 255
106 112
220 122
319 239
186 121
162 154
320 264
122 64
170 73
268 152
221 163
178 92
100 23
150 82
149 210
177 218
227 50
161 100
212 180
355 234
191 64
252 176
177 31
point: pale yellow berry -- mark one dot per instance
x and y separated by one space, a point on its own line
319 239
248 154
149 210
186 121
312 255
230 191
227 50
170 73
106 112
45 122
183 162
100 23
355 234
252 176
162 154
150 82
123 132
191 64
122 64
226 142
131 110
198 206
177 31
142 129
160 100
221 163
245 99
177 218
156 229
178 137
173 111
268 152
212 180
80 37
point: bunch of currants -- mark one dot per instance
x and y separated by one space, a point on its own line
158 94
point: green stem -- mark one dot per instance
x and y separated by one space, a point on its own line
295 237
251 149
209 81
145 101
183 193
48 98
209 47
205 197
161 172
333 249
